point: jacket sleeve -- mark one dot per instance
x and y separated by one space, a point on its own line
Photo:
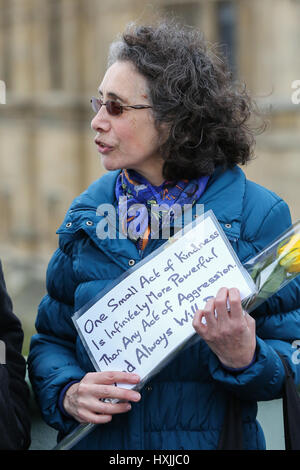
277 328
14 392
52 360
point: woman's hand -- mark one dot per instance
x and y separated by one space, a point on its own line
230 334
83 400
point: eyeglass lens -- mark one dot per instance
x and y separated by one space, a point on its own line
113 107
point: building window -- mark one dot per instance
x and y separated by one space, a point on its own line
55 25
226 28
5 60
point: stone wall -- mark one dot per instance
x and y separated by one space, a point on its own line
52 58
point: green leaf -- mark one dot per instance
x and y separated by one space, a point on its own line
273 283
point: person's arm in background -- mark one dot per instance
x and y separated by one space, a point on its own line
14 392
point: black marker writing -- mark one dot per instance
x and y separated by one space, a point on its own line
188 316
144 352
195 248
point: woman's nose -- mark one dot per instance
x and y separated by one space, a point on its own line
101 120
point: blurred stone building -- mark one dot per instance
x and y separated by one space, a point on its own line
52 59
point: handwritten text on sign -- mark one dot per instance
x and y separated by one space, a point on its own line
142 320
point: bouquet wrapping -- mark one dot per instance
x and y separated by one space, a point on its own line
274 267
271 270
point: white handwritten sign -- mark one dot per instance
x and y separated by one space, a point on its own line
143 319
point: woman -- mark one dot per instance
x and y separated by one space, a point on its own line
14 392
170 127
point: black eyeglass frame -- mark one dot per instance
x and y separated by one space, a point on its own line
97 103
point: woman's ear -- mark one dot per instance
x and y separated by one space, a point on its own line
164 132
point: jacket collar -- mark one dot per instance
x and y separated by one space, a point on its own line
83 210
224 195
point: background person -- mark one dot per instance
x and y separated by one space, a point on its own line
170 127
14 392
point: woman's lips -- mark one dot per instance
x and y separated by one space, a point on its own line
103 147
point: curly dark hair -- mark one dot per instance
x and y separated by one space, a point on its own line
192 90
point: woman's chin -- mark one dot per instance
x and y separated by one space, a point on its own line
109 165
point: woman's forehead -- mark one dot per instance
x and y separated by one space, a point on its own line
124 82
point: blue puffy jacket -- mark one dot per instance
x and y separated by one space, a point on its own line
183 406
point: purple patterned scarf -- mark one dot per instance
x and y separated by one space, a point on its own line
136 197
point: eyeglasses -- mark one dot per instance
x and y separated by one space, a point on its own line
113 107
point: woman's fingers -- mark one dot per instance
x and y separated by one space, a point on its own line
86 416
221 305
228 331
234 301
209 314
111 377
96 397
106 392
97 405
102 385
204 320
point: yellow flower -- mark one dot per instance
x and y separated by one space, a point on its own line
290 253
